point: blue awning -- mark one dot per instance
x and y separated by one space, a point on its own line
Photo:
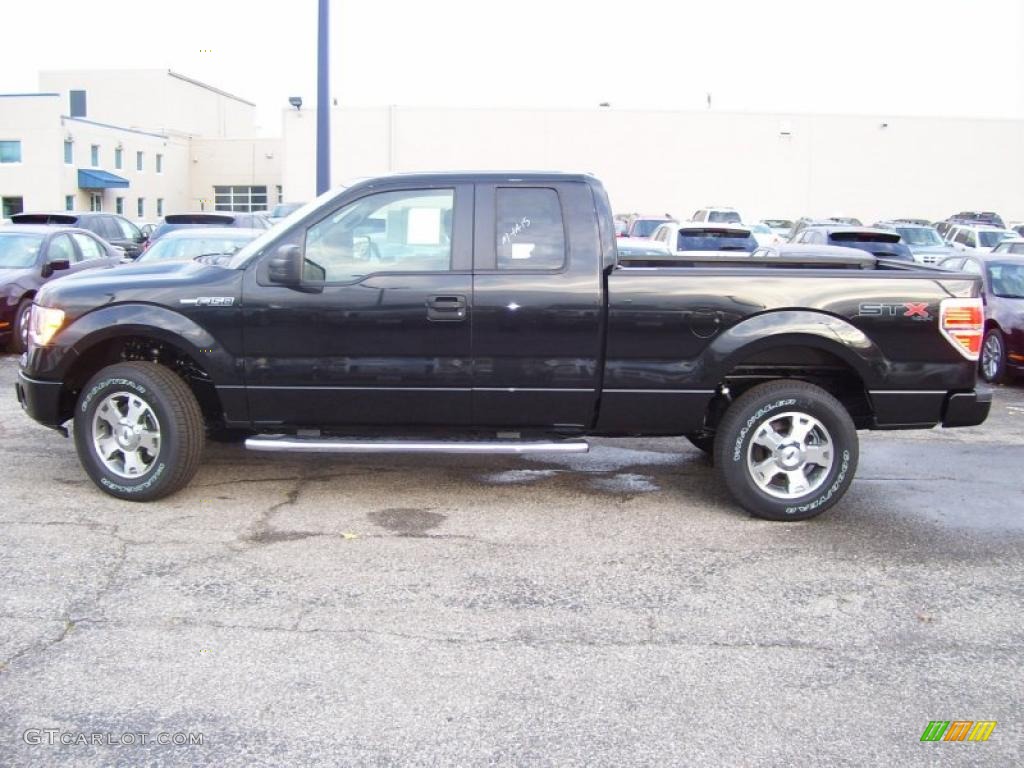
94 179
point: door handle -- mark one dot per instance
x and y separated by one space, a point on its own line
446 308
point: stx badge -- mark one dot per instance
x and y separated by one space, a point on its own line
911 309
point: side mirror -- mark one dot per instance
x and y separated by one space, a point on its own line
285 268
55 266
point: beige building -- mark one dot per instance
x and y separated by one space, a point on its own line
142 143
766 165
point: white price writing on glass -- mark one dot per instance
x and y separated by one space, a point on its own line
517 228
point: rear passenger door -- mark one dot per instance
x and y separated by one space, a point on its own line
537 306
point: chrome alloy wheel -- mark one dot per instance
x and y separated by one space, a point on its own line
126 434
991 356
790 455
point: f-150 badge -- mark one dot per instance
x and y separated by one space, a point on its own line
209 301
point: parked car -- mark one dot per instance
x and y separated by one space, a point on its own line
717 215
281 210
447 347
915 222
802 223
847 221
638 225
764 234
115 229
781 227
32 255
176 221
1013 245
977 237
637 247
1002 274
923 240
213 243
146 227
692 236
978 217
879 242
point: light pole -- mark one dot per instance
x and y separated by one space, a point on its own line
323 106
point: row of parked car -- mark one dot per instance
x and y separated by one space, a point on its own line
975 242
38 247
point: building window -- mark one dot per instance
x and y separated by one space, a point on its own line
95 201
94 155
159 206
10 206
10 152
141 205
280 194
118 158
69 152
119 205
240 199
138 161
159 163
69 202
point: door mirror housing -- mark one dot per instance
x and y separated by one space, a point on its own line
289 267
285 267
55 266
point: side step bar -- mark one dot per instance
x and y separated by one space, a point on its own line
334 445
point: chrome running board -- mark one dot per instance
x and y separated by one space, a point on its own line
334 445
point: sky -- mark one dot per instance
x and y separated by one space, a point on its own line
897 57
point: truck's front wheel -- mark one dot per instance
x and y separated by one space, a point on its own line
139 431
786 450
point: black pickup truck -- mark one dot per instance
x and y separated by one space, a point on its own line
491 313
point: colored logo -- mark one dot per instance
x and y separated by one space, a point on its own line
958 730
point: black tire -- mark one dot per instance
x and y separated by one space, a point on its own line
702 442
19 333
767 404
992 361
178 421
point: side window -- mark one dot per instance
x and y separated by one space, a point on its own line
961 236
61 250
698 216
126 229
89 248
971 267
102 226
406 231
529 229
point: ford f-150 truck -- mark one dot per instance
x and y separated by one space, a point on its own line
490 312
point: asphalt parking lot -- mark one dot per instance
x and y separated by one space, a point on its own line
611 609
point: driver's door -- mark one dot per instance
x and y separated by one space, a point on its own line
385 338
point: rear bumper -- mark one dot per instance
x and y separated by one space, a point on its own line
40 399
966 409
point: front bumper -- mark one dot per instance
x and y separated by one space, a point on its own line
966 409
40 400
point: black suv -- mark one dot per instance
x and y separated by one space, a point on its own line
116 230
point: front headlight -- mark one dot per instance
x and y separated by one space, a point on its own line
44 323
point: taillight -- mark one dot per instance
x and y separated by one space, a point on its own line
962 322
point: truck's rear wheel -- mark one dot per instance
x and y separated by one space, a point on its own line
139 431
786 450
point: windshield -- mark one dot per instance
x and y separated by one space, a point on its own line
761 229
187 248
17 250
1007 280
922 236
724 217
255 246
646 227
779 223
715 240
989 238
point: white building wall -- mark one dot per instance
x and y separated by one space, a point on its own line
154 100
767 165
231 162
33 120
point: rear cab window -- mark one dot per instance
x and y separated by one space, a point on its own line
529 229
